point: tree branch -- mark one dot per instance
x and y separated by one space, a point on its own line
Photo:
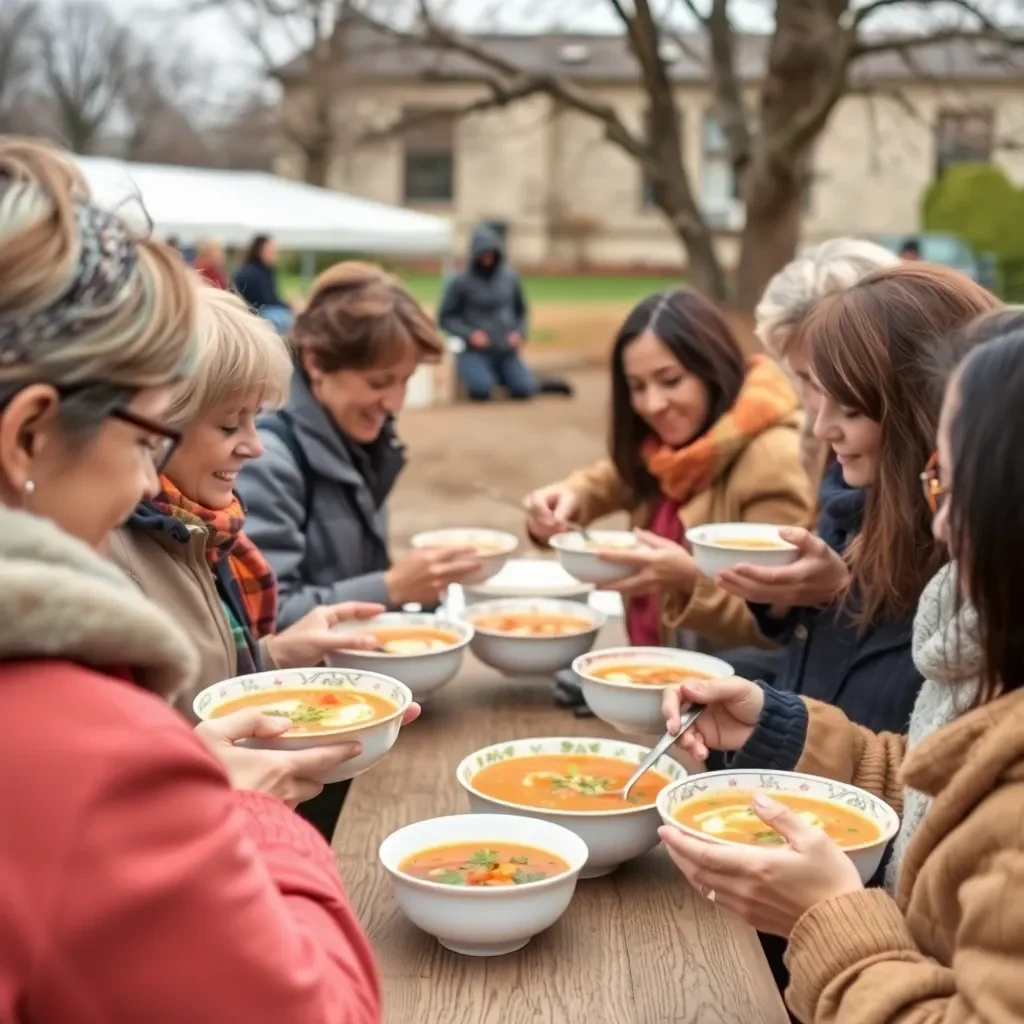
729 107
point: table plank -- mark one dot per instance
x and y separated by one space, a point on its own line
636 947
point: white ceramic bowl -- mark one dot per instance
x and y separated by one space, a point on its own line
576 555
377 737
505 543
529 577
483 921
631 707
612 837
531 655
712 556
866 857
423 673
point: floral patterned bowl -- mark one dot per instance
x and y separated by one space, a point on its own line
423 673
867 857
376 737
612 837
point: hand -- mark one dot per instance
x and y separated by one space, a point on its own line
550 510
479 339
771 888
732 710
515 339
423 575
814 579
310 640
660 565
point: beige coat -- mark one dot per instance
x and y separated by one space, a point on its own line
950 948
765 484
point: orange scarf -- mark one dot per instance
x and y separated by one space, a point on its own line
766 398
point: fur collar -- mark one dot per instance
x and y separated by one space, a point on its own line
60 599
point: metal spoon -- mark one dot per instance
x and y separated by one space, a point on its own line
688 718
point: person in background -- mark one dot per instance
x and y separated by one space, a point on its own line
942 940
317 498
150 872
256 282
910 250
699 434
485 308
210 263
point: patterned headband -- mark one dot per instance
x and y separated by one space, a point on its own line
107 259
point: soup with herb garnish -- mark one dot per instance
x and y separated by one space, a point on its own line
647 675
728 815
313 709
567 782
493 864
533 623
751 543
412 639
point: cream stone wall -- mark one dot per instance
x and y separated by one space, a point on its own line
533 165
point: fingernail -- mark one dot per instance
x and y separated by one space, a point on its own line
763 802
697 689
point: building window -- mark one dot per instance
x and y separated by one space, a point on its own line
429 159
719 188
648 187
962 137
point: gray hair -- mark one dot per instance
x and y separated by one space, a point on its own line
823 269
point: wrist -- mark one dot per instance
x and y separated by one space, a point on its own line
393 585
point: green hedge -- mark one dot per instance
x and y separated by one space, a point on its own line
979 203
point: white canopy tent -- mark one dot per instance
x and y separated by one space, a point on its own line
232 206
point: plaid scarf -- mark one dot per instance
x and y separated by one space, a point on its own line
225 539
766 398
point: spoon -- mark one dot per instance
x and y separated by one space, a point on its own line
500 498
688 718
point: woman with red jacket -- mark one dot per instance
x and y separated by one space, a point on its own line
174 883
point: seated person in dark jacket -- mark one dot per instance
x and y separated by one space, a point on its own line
484 306
256 281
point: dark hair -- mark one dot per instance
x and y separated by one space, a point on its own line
987 441
254 254
873 349
911 245
359 316
696 332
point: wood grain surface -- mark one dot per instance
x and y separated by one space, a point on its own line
636 947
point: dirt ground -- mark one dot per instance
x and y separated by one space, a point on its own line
507 447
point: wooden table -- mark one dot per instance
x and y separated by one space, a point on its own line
636 947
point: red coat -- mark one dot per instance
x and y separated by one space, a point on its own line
212 275
137 888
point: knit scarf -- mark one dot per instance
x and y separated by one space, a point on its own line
226 540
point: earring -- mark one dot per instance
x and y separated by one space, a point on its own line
30 488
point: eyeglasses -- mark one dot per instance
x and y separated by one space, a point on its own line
934 490
166 439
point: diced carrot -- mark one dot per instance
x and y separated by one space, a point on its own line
478 876
330 699
505 870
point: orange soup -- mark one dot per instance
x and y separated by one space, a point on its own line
647 675
412 639
567 782
751 543
498 864
482 548
727 814
313 709
533 624
619 544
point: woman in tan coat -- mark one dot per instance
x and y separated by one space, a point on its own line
699 434
943 943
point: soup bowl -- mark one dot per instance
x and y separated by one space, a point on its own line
612 836
528 577
719 546
422 671
881 820
632 707
578 554
520 654
483 920
377 736
493 547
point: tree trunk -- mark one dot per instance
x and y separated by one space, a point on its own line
704 270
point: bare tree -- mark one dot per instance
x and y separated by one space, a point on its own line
17 23
86 59
810 64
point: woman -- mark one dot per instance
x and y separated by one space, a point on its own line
209 263
195 893
256 282
943 941
699 434
316 500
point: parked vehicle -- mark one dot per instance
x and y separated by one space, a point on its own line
951 251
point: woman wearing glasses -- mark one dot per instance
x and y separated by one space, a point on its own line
943 941
150 872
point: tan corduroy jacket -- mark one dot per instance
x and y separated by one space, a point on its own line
950 948
765 484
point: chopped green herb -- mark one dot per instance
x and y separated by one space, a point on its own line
519 860
572 771
524 877
450 877
484 858
769 838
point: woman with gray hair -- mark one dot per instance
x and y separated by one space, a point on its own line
151 872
